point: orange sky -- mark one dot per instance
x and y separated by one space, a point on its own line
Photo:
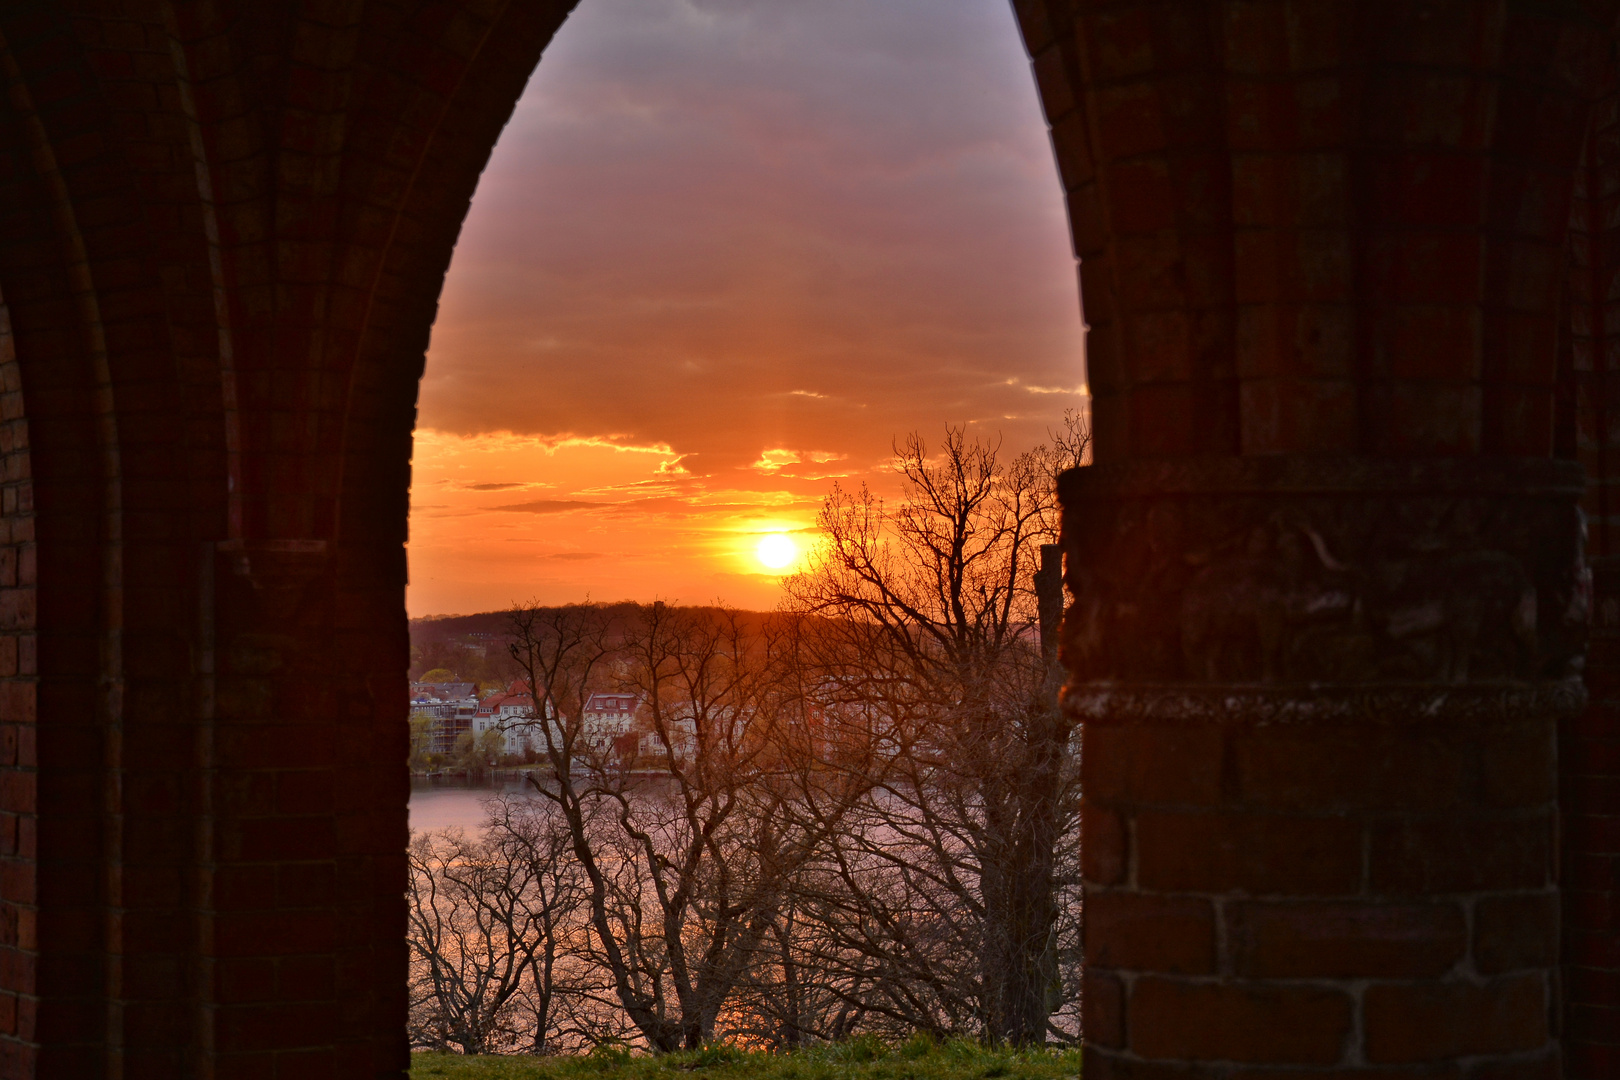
725 252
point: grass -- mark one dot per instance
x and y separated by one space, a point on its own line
860 1059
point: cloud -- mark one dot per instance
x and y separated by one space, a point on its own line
711 230
772 460
549 506
780 460
715 235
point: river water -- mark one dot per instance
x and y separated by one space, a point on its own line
442 805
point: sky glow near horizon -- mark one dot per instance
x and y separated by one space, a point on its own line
725 252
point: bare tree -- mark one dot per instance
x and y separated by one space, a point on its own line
932 618
489 917
689 836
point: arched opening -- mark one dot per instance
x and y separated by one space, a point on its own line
1336 232
723 258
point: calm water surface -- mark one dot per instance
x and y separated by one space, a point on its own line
441 806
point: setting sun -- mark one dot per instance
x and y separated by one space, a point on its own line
776 550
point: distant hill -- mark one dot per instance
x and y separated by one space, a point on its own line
474 646
451 627
495 624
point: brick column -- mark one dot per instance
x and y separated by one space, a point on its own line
1589 757
1319 700
1589 747
223 228
19 909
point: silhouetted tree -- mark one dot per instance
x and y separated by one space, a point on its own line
931 617
490 917
690 838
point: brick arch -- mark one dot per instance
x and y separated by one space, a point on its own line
1322 248
225 227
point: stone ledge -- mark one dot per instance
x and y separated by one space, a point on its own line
1357 703
1308 474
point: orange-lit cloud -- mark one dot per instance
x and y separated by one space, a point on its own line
725 252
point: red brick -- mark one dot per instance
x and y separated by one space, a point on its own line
1327 769
1518 764
1102 844
1099 1064
1513 932
1593 794
1178 765
1250 1022
1588 1060
1461 854
1444 1072
1347 768
1344 940
1133 930
1542 1067
1255 853
1434 1021
1103 1009
1595 1021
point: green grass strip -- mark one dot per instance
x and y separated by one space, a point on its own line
860 1059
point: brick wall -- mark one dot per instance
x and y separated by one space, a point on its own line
1590 744
1337 232
224 231
18 666
1323 230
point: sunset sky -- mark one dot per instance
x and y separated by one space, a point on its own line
724 253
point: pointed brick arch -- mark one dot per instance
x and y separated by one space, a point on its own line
224 229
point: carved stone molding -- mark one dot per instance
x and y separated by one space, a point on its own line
1327 576
1359 703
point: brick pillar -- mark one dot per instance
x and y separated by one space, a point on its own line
1320 700
1589 748
1323 254
18 697
223 229
1589 755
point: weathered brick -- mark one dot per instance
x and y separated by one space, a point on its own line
1102 843
1340 768
1543 1066
1437 1020
1254 1022
1518 764
1103 1003
1254 853
1344 940
1150 933
1513 932
1461 854
1178 765
1099 1064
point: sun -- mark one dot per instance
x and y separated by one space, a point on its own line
776 550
